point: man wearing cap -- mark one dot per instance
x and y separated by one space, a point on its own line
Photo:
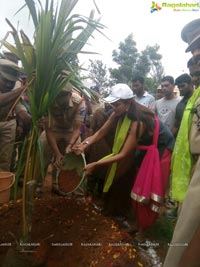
8 96
194 69
62 130
186 166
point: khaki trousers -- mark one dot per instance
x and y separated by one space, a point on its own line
7 140
188 221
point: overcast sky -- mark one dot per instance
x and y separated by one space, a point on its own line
122 18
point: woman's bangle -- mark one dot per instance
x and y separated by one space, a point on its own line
86 142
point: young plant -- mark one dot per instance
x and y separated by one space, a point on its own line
58 37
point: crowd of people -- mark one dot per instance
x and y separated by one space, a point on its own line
140 149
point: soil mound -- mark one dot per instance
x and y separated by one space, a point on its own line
65 233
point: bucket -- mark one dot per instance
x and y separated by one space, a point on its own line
7 179
71 175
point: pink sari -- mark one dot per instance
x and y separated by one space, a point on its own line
151 182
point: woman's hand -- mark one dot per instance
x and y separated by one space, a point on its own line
80 148
89 168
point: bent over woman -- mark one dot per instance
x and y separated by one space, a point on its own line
134 125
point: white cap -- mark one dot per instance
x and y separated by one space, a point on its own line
119 91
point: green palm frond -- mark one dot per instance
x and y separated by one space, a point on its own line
59 36
32 9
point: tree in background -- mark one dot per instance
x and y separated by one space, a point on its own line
130 62
149 65
126 58
98 73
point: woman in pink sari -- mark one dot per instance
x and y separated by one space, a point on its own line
135 125
152 177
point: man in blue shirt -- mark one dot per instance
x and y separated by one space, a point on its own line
141 96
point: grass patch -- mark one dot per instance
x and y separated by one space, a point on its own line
162 230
